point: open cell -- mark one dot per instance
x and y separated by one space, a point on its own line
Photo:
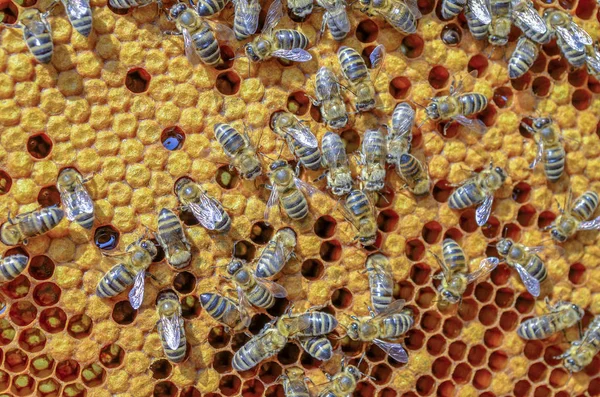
228 83
227 56
456 350
420 273
546 218
488 315
22 313
257 323
467 311
93 375
493 338
451 34
441 367
325 226
351 140
190 391
491 227
577 273
67 371
476 356
123 313
41 267
289 354
269 372
298 103
399 87
537 372
559 377
15 360
111 356
137 80
482 379
412 46
32 340
415 339
452 327
42 366
483 292
467 221
508 321
39 146
557 68
578 78
454 234
22 385
462 373
425 385
381 373
512 232
521 83
415 250
218 338
312 269
387 220
80 326
10 12
521 192
106 237
330 251
581 99
541 86
164 389
479 64
261 233
46 294
436 345
431 232
228 178
524 303
503 97
48 197
17 288
438 77
253 388
367 31
172 138
522 388
430 321
341 298
185 282
222 362
441 191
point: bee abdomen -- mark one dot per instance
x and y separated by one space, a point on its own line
288 39
453 255
451 8
207 46
266 266
381 292
225 224
295 205
249 356
396 325
320 323
308 156
585 205
465 196
357 203
216 305
536 268
12 266
259 296
472 103
478 29
83 24
174 355
115 281
575 57
353 66
126 3
555 163
403 19
231 140
409 166
522 58
537 328
210 7
318 347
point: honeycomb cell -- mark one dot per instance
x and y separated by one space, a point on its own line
456 350
491 228
436 345
218 338
17 288
5 182
80 326
497 360
48 388
325 226
452 327
22 313
341 298
269 372
521 83
39 146
415 339
374 354
243 250
190 391
53 320
581 99
412 46
7 332
137 80
441 191
593 388
478 63
451 34
425 297
559 377
545 218
438 77
521 192
67 371
165 389
522 388
467 221
482 379
533 349
48 197
279 308
431 232
524 303
557 68
593 84
228 178
123 313
367 31
289 354
387 392
541 86
190 307
330 251
387 221
185 282
577 273
172 138
106 237
93 375
503 97
351 140
42 366
46 294
274 391
420 273
476 356
222 362
441 367
15 360
493 338
399 87
261 232
488 315
541 391
257 322
161 369
298 103
415 250
386 195
10 12
32 340
228 83
577 78
512 232
430 321
22 385
508 321
111 356
41 267
468 310
312 269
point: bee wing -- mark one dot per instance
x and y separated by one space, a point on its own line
207 212
277 290
190 49
79 200
274 14
221 31
528 16
538 155
295 54
271 203
485 267
414 8
532 285
593 61
171 329
394 350
377 56
299 324
393 308
472 124
594 224
249 11
483 211
481 10
574 36
77 9
305 187
302 134
136 295
341 22
581 35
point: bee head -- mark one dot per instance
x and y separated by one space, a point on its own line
250 53
9 235
149 247
339 122
355 372
253 173
449 297
498 40
571 365
558 236
352 331
367 240
501 173
541 122
177 9
235 266
432 111
278 164
503 246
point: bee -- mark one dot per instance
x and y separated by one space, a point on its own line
329 99
301 141
361 214
12 266
170 326
206 8
550 148
575 217
245 20
479 17
381 282
199 40
355 71
335 160
30 224
79 206
562 315
317 346
36 33
522 58
257 291
528 264
581 352
499 27
389 324
403 121
239 149
571 39
288 190
207 210
343 383
294 383
172 239
401 14
299 10
335 18
526 18
232 314
124 4
309 329
79 14
451 8
282 43
372 157
592 60
455 277
414 174
479 190
456 107
276 253
138 257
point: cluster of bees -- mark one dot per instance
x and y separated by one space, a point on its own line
388 319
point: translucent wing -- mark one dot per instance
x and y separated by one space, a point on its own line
295 54
377 56
481 10
248 12
394 350
302 134
190 48
274 14
538 155
393 308
472 124
483 211
279 253
593 61
403 125
77 9
594 224
581 35
341 23
414 8
170 327
297 324
221 31
207 212
136 295
273 198
485 267
305 187
574 36
526 15
532 285
277 290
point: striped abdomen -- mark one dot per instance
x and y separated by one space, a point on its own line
479 30
225 224
395 325
540 327
287 39
453 256
172 239
451 8
127 3
353 65
38 222
585 205
465 196
115 281
210 7
523 57
229 138
554 162
217 306
260 296
207 45
12 266
409 166
310 157
535 267
81 23
81 215
400 17
575 57
254 351
382 288
472 103
294 204
267 266
40 45
357 203
326 85
374 146
338 23
174 355
300 8
319 347
320 323
334 152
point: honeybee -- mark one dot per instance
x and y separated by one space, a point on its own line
232 314
79 13
479 190
522 58
124 4
329 99
550 148
294 383
456 107
309 329
172 239
414 174
403 121
317 346
524 259
239 149
170 326
401 14
258 291
30 224
299 10
562 315
37 33
335 160
479 18
282 43
301 141
381 281
581 352
526 18
343 383
79 206
372 158
276 253
592 60
138 257
245 20
335 18
361 213
12 266
199 40
355 71
575 217
455 277
207 210
571 39
288 190
206 8
451 8
389 324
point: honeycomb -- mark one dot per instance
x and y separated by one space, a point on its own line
125 107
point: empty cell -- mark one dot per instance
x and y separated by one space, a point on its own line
269 372
414 339
524 303
467 221
546 218
238 340
446 389
137 80
190 391
257 322
48 196
577 273
230 385
405 291
227 56
399 87
476 356
274 391
500 274
592 83
5 182
228 83
491 227
325 226
493 338
533 349
478 63
508 320
289 354
521 192
438 77
387 392
367 31
298 103
581 99
436 345
526 215
243 250
504 297
488 115
218 338
542 391
432 232
457 350
594 387
185 282
578 78
441 367
341 298
415 250
452 327
312 269
412 46
454 234
253 388
385 197
488 315
482 379
375 354
441 191
511 231
522 388
521 83
462 373
498 360
381 373
261 233
123 313
557 67
503 97
279 308
541 86
559 377
330 251
467 310
420 273
351 140
164 389
430 321
387 221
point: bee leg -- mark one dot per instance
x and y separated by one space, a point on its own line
50 8
172 33
323 24
10 219
114 254
323 175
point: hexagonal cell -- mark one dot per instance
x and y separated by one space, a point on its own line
242 249
420 273
386 195
22 313
367 31
522 388
399 87
257 322
541 86
452 327
456 350
7 332
32 340
476 356
261 233
185 282
17 288
482 379
425 297
546 218
230 385
41 267
581 99
106 237
218 338
39 146
508 321
53 320
387 392
467 310
48 388
491 227
504 297
436 345
222 362
42 366
330 251
325 226
451 34
190 307
279 308
430 321
112 356
67 371
498 360
374 353
559 377
341 298
227 178
488 315
467 221
269 372
537 372
5 182
577 78
312 269
253 388
298 103
165 389
137 80
190 391
521 192
22 385
557 68
387 220
454 234
415 250
415 339
438 77
172 138
503 97
93 375
431 232
511 231
524 303
478 63
46 294
15 360
161 369
228 83
493 338
412 46
381 374
80 326
441 367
